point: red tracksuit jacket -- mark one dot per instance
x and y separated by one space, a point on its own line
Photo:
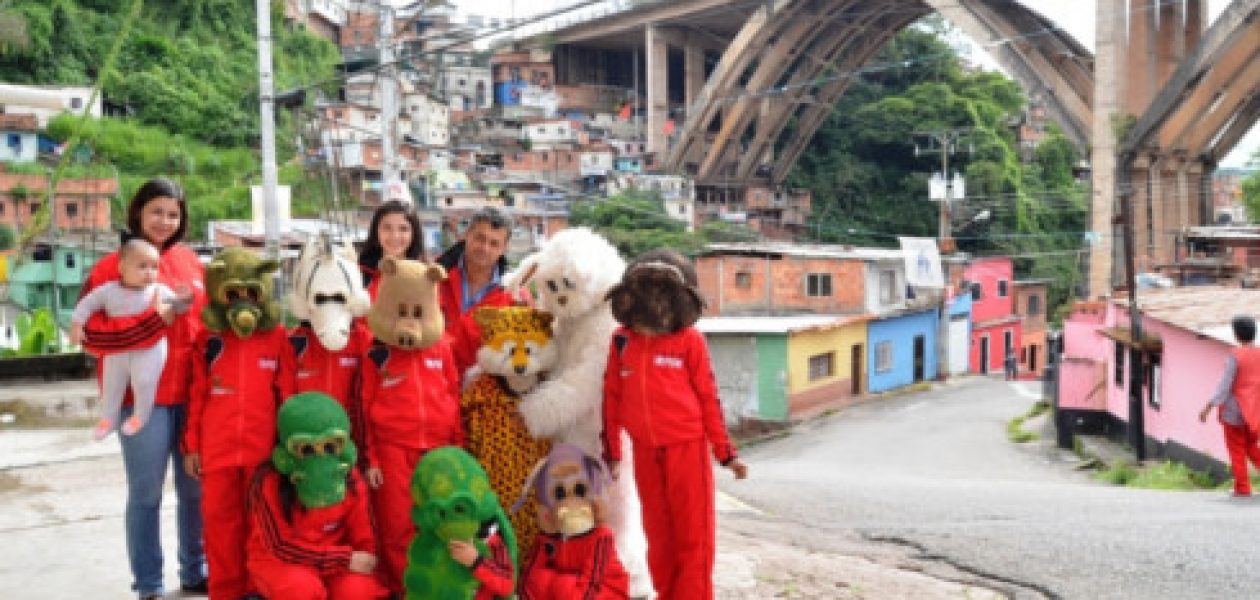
661 389
411 398
320 538
461 329
333 373
177 266
1246 387
238 384
584 567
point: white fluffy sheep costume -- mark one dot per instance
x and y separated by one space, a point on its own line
572 274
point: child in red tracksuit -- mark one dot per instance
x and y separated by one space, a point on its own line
238 384
298 552
1238 396
411 400
659 387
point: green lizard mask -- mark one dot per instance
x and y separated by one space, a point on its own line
453 501
241 294
314 449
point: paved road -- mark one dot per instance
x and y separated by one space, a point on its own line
933 473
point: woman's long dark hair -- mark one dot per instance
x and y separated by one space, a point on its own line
157 188
372 252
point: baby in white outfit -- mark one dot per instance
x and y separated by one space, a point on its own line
135 290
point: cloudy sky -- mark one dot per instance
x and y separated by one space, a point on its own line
1076 16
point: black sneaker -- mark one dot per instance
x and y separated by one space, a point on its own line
201 588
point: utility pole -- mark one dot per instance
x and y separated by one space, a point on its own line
944 142
1137 418
267 110
389 101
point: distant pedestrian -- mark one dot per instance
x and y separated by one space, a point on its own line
1010 365
1238 397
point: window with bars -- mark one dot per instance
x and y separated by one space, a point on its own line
822 366
884 356
818 285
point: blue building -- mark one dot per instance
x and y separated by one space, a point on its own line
902 348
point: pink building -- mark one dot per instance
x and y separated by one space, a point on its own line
996 328
1186 336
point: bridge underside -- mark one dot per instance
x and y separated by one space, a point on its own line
758 79
1207 105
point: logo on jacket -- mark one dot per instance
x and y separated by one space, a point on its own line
390 380
433 363
269 364
306 373
348 361
669 362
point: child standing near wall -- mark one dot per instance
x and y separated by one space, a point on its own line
659 386
1238 397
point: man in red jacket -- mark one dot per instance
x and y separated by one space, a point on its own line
1238 396
474 276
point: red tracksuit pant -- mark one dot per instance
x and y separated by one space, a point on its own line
280 580
392 505
676 489
223 494
1241 444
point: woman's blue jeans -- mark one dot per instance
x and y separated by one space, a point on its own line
145 458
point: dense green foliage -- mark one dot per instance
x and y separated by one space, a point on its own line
189 73
1251 191
636 222
869 186
190 66
8 237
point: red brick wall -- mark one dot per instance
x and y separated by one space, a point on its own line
720 281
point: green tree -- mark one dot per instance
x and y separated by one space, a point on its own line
869 186
8 237
1251 190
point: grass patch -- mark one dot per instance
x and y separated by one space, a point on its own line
1015 427
1166 475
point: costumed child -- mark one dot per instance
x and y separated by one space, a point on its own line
464 547
134 292
516 350
576 556
659 386
242 369
410 393
330 341
311 534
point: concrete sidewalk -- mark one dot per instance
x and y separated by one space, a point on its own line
61 518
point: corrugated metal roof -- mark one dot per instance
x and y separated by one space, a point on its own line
806 250
785 324
1205 310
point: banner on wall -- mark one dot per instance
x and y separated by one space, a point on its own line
923 262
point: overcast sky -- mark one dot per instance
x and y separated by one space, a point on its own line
1076 16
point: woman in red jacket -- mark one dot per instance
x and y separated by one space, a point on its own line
394 233
158 213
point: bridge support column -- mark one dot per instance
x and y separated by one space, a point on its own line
1109 92
657 89
693 75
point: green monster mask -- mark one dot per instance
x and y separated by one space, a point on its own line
241 295
453 501
314 449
